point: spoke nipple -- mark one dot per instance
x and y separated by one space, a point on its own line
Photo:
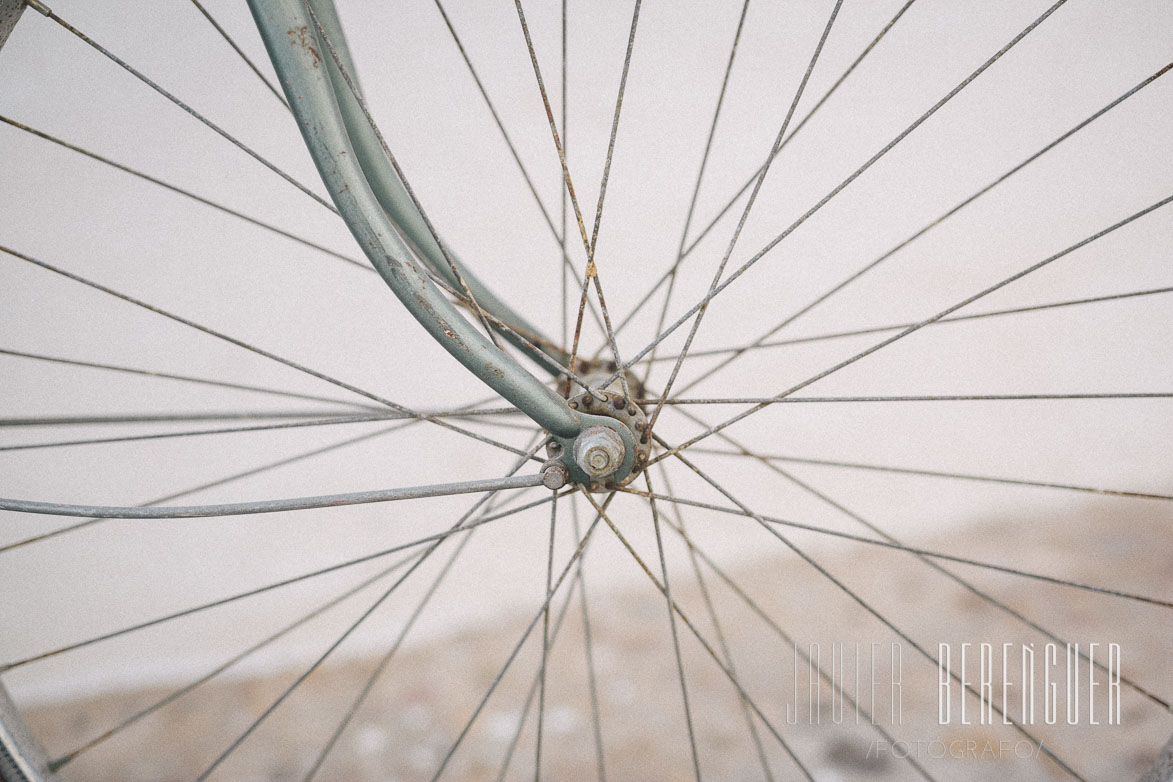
555 476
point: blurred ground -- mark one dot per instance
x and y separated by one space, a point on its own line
428 692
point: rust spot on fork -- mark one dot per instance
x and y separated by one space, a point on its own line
301 37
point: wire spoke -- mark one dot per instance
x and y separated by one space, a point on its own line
213 126
943 474
222 481
567 267
695 551
842 185
200 432
271 506
267 587
696 762
545 643
986 596
883 620
686 251
823 497
589 652
591 274
696 189
580 584
218 482
899 326
173 418
696 633
500 125
769 400
916 327
188 193
533 689
745 214
252 66
257 350
62 760
378 671
590 271
711 610
910 549
305 674
936 222
517 647
187 379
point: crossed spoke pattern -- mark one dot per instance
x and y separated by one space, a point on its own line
648 513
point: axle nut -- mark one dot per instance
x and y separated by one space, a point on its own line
599 451
555 476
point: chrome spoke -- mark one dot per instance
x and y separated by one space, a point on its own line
211 484
823 497
591 274
965 584
352 419
580 584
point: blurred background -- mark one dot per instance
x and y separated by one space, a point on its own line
91 219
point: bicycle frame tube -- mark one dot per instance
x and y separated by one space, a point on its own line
303 66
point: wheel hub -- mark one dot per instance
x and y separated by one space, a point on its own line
613 446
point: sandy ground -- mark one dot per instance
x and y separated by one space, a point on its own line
426 695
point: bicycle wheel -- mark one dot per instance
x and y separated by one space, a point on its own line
875 322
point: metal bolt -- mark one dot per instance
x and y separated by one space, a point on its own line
555 476
599 450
